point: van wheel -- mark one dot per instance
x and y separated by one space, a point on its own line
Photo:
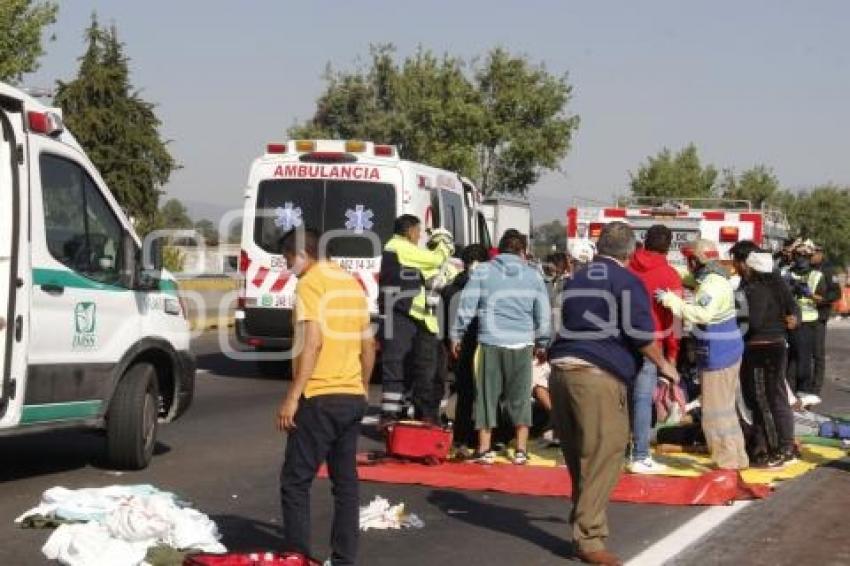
132 419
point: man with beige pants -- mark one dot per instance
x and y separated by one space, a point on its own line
607 328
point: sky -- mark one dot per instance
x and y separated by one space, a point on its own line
749 82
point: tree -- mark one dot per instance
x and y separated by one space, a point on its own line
823 214
21 25
208 231
527 129
758 185
502 124
174 216
118 130
669 176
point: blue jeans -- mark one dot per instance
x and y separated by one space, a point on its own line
642 391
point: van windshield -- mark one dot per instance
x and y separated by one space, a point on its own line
351 206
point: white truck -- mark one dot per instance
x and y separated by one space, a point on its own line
354 188
87 337
505 212
722 221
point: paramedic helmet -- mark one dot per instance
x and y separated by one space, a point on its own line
700 253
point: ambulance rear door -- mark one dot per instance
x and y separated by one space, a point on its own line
13 291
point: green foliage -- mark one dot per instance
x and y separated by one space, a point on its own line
173 259
502 124
675 176
174 216
547 235
758 185
208 231
21 25
823 214
118 130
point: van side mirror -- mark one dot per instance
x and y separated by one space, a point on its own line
157 260
130 261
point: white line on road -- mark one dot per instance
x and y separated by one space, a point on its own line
687 534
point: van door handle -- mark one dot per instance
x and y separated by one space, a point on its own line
19 328
53 289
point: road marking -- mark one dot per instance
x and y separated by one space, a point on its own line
687 534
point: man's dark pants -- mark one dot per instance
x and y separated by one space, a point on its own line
405 339
763 387
327 430
804 344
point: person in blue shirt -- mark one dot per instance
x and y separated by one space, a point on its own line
511 304
607 329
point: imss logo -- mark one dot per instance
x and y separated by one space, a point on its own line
85 325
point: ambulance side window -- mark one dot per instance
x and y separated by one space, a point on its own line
454 221
81 228
483 232
435 209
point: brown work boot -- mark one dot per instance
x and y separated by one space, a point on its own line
599 557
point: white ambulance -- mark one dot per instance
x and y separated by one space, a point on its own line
86 338
722 221
355 188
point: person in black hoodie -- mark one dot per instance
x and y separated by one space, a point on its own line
769 314
464 428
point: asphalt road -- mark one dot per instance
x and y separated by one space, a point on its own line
225 454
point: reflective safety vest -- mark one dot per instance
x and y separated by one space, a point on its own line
808 306
405 267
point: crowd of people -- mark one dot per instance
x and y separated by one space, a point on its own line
590 343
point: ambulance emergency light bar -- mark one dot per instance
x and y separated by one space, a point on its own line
309 147
47 123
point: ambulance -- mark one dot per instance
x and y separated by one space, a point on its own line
355 189
87 337
723 221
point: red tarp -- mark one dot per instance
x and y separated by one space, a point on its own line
713 488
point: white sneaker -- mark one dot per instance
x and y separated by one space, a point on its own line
646 466
808 399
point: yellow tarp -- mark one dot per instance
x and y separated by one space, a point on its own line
694 465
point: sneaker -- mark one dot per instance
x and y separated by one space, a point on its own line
767 461
549 440
646 466
790 455
808 399
520 458
486 458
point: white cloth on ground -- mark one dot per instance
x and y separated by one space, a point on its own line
380 515
89 544
121 520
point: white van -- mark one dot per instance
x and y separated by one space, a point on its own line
354 187
88 339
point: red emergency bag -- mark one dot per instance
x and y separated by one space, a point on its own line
250 559
414 440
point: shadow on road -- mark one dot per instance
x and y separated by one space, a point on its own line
242 534
55 452
222 366
842 465
503 520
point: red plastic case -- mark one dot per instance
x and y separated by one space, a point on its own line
415 440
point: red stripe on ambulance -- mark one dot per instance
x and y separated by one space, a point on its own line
260 277
280 283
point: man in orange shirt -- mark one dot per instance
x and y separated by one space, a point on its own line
327 397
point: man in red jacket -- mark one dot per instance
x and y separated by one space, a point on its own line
650 265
